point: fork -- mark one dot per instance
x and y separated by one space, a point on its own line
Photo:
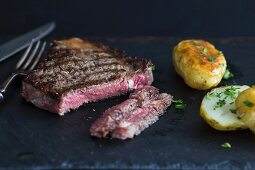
27 63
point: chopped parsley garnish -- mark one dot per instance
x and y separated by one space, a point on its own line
221 53
222 64
153 67
248 103
220 103
232 111
229 93
196 43
179 104
218 95
211 59
204 51
232 92
227 75
208 96
226 145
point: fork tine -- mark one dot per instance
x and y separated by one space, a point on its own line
38 57
24 56
29 60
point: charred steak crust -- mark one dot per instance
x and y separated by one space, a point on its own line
132 116
74 64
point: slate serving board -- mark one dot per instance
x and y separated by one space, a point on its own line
34 138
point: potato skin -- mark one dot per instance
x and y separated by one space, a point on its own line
199 63
216 125
246 112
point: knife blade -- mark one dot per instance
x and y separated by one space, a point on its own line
13 46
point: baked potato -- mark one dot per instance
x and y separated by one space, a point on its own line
199 63
245 104
218 108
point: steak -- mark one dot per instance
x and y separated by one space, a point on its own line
132 116
75 71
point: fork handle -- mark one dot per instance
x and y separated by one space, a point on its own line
6 84
1 97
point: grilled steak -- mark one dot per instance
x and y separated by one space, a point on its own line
75 71
131 117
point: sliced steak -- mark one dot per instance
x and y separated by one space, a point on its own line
75 71
132 116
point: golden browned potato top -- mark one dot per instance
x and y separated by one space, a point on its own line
207 56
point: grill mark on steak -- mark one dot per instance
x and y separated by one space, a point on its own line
79 61
91 79
73 66
49 67
79 66
61 84
132 116
60 75
49 74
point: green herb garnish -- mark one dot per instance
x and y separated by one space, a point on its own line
227 75
208 96
248 103
211 59
196 43
232 92
232 111
226 145
220 103
222 64
218 95
204 51
179 104
221 53
153 67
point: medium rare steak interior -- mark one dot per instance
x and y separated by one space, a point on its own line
76 71
132 116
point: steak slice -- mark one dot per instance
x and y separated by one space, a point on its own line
132 116
75 71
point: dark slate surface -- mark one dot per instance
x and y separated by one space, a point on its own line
34 138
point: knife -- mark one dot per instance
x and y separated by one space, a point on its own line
13 46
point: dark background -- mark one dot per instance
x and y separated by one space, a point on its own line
119 18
